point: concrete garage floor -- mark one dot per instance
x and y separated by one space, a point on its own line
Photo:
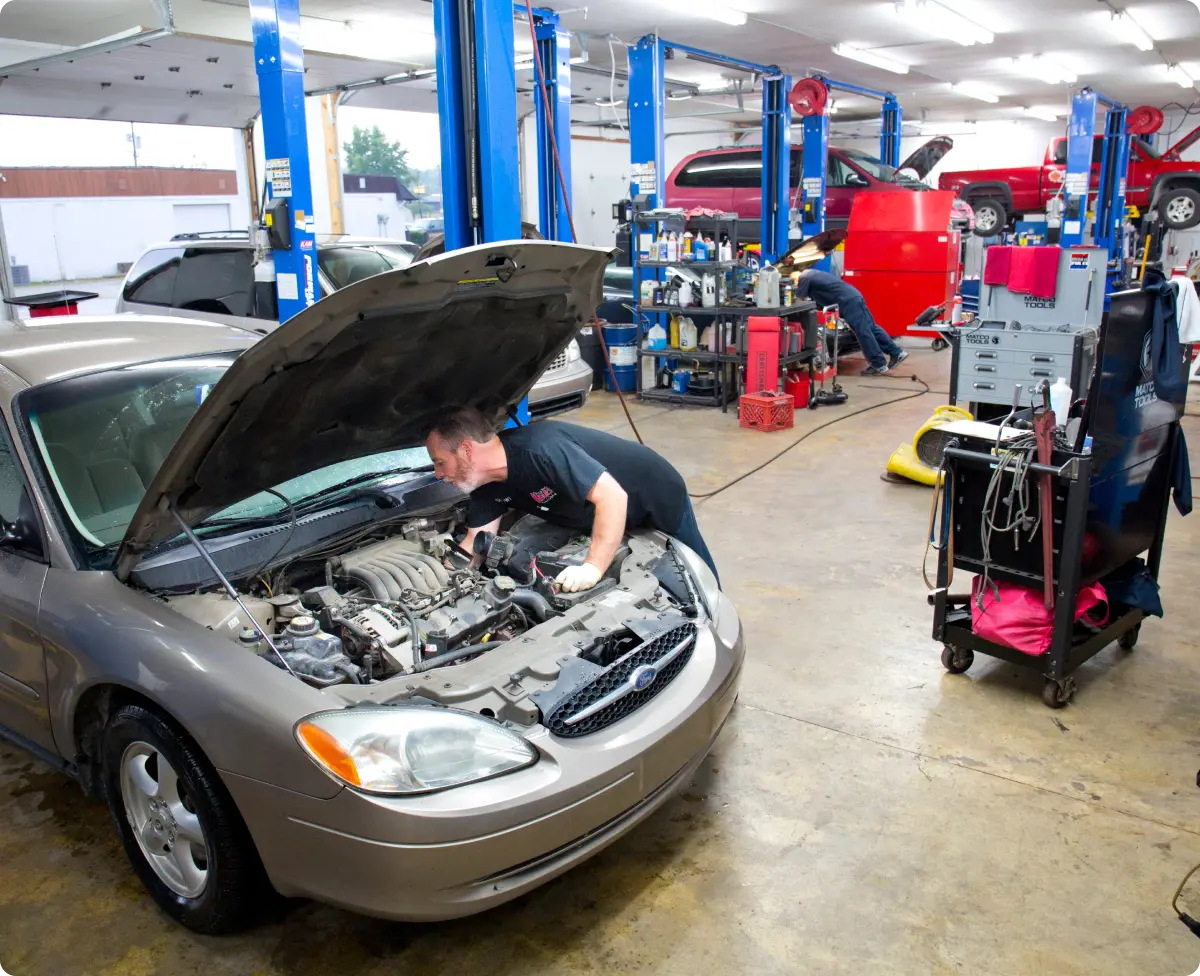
863 811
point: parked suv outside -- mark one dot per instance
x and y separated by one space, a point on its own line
217 277
731 180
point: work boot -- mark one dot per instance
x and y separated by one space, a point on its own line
875 370
896 360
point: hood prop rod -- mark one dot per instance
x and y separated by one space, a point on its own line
229 588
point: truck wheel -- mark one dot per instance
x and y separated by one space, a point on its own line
1180 207
991 217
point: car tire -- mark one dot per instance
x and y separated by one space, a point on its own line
991 217
179 826
1180 207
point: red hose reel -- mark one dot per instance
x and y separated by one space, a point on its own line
809 96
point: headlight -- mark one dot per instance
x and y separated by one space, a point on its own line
573 352
405 750
702 577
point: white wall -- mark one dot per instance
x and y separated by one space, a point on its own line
600 170
361 212
85 237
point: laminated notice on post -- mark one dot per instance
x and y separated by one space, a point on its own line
812 186
279 175
288 286
644 176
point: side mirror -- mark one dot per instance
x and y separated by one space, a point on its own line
22 535
857 179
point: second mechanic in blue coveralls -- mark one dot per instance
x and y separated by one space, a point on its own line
826 289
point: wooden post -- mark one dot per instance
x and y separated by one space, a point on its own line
333 167
251 173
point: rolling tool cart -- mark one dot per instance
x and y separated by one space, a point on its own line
1110 486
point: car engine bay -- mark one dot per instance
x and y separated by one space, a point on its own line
498 638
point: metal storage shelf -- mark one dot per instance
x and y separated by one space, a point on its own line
724 265
731 310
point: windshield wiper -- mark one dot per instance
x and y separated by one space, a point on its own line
361 479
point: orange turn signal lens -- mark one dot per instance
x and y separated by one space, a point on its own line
324 748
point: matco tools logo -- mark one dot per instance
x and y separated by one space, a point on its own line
1143 393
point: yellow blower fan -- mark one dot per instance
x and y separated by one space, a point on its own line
919 460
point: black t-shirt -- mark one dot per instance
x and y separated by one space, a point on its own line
553 466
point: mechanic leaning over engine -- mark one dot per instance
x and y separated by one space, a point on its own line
570 476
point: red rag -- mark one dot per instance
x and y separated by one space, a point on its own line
1034 271
997 264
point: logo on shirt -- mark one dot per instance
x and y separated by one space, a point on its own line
543 495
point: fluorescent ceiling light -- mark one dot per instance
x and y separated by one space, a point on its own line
1126 28
1178 75
945 22
1041 112
948 128
974 91
1038 66
869 57
712 9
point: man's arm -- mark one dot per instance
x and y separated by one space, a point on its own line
608 527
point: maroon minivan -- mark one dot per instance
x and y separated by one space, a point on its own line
731 180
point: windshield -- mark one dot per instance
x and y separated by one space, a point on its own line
101 439
346 264
877 168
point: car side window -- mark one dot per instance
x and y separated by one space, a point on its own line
796 172
217 280
723 170
837 171
345 265
152 280
1060 152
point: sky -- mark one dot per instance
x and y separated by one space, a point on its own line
32 141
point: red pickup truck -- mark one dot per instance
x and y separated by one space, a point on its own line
1160 181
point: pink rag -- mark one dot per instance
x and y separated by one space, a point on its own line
1034 271
996 267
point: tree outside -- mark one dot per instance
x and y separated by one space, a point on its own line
370 153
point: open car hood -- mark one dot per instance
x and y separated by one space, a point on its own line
928 155
370 368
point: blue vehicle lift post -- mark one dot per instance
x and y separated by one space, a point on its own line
477 119
554 55
477 110
279 63
816 151
1108 229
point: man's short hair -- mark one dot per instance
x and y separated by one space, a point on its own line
464 424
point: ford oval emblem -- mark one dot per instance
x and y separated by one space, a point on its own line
643 677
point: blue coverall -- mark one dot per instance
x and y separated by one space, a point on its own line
827 289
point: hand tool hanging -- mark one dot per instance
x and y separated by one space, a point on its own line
1043 429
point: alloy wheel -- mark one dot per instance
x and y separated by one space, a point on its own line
163 817
985 219
1180 210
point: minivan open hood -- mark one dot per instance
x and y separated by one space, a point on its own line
928 155
369 369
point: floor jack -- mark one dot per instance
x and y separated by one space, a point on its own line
827 367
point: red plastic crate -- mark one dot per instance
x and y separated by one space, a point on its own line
766 411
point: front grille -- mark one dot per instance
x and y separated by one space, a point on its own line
559 362
615 677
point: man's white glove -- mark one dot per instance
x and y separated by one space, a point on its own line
576 578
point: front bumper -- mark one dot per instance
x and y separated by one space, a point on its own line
561 389
462 851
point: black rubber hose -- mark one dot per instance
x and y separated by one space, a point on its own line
449 657
531 600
